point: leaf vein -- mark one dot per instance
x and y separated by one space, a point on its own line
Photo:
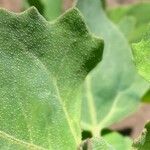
20 142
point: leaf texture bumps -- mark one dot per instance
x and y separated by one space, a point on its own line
42 66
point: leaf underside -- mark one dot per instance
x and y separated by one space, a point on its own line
133 22
112 90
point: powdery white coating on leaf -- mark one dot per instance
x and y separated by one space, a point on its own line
42 66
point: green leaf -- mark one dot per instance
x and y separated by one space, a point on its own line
143 142
118 141
113 89
111 141
132 21
50 9
136 11
127 25
42 66
141 53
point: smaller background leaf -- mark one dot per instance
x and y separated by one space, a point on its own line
137 11
143 143
146 97
118 141
141 53
132 21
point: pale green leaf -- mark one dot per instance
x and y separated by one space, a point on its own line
42 66
113 89
50 9
132 21
118 141
127 25
143 142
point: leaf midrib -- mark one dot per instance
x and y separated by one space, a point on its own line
100 124
90 101
65 112
58 96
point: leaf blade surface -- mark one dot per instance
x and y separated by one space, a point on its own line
42 66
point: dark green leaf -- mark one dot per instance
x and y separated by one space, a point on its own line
42 66
146 97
